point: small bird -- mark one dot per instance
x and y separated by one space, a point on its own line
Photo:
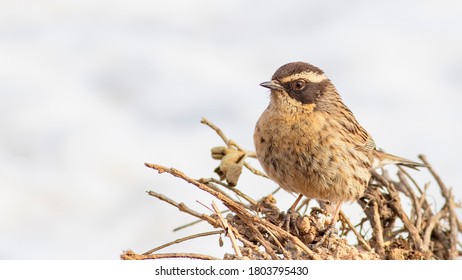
310 143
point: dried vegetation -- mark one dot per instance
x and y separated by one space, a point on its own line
388 230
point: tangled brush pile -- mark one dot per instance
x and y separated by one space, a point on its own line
254 226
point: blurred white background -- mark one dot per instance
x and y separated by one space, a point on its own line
90 90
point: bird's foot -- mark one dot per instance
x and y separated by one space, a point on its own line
329 232
290 222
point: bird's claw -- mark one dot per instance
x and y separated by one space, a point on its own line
290 222
326 235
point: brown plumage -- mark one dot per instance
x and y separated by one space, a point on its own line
310 143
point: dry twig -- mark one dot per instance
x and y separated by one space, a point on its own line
202 234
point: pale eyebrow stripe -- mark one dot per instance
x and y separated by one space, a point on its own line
310 76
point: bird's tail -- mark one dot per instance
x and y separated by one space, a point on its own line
382 158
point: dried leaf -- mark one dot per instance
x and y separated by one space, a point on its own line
231 164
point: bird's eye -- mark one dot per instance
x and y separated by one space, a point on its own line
298 85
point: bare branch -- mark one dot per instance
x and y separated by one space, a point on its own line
228 229
202 234
130 255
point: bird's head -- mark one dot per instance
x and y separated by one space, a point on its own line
299 84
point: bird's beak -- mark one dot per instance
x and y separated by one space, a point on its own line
272 85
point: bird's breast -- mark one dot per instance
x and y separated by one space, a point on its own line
303 154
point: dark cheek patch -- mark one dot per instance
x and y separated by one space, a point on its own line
307 95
